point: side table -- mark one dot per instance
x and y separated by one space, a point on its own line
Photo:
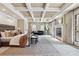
34 39
0 42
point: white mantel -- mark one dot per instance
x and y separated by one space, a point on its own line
59 26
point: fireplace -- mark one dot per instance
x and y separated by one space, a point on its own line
58 32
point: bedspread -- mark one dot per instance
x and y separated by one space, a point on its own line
15 40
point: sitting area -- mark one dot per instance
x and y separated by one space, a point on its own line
38 32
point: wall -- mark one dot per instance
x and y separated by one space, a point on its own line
25 25
29 26
64 30
7 20
50 28
68 27
20 24
53 28
58 23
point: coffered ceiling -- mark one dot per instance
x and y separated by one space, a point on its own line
35 11
38 11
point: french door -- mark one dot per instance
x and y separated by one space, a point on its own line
77 28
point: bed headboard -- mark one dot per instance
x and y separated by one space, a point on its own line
6 27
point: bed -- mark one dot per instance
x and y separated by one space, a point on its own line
14 40
19 40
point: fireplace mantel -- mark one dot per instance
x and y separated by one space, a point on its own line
59 32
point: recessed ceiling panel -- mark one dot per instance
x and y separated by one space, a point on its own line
49 14
37 14
26 13
55 5
37 5
19 4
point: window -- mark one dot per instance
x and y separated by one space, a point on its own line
33 27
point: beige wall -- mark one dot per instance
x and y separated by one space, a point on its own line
68 27
64 29
7 20
26 26
50 28
76 11
20 24
29 26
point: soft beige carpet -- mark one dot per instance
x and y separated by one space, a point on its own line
47 46
2 49
42 48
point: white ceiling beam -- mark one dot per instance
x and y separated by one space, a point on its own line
31 13
65 10
36 17
12 8
61 12
43 14
40 21
38 9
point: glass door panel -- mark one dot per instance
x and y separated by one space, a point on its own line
77 27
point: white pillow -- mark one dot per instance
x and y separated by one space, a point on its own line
3 34
7 33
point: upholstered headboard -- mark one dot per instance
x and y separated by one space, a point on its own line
6 27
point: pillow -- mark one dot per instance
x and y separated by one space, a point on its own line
14 33
3 34
7 34
11 34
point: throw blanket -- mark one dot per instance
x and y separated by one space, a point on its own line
16 39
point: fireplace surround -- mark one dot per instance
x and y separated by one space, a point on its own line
59 32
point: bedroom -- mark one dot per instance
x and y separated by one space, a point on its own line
22 25
10 25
